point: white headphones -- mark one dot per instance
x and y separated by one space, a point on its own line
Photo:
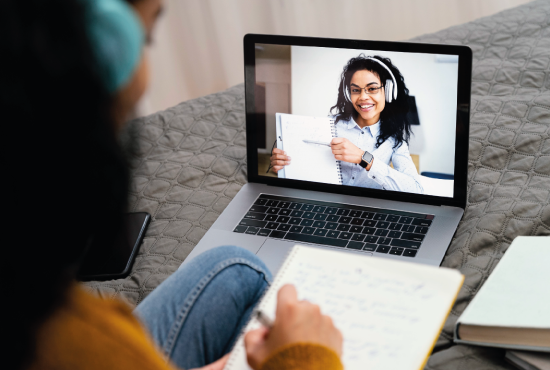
390 89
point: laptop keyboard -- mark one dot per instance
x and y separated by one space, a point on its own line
338 225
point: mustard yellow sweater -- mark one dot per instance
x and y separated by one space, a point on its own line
89 333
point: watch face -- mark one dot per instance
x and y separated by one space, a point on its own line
367 157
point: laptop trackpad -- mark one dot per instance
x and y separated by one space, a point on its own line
273 252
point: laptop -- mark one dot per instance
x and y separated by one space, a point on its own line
418 148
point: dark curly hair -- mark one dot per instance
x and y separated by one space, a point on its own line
64 173
394 121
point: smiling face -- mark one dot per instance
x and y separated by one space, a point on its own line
368 106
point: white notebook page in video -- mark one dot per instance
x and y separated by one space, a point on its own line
390 312
310 162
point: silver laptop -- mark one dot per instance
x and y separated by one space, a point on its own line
377 135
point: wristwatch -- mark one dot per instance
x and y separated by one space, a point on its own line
366 159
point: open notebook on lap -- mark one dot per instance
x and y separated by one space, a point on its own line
375 138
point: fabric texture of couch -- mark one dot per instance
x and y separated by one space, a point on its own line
191 162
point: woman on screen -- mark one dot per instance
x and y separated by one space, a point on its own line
372 126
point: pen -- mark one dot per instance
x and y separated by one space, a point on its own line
263 319
316 142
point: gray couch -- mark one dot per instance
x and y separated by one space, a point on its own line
191 162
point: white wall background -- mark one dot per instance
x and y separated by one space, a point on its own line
197 46
315 74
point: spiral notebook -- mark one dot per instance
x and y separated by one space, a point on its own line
309 162
390 312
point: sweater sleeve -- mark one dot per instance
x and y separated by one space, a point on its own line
303 356
89 333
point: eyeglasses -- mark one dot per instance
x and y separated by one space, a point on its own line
368 90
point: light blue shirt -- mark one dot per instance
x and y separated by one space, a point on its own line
403 177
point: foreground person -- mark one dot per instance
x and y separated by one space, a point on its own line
73 71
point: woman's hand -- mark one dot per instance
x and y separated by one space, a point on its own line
278 160
296 321
344 150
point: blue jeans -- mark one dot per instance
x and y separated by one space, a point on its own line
196 314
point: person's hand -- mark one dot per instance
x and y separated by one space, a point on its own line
295 321
345 150
216 365
278 160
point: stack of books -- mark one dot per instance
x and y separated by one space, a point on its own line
512 308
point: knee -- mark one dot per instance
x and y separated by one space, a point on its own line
228 252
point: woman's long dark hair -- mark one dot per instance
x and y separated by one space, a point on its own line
394 121
63 173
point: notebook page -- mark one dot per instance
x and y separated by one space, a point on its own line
310 162
390 312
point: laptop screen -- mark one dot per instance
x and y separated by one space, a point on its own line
361 118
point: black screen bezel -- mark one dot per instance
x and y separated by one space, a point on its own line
462 115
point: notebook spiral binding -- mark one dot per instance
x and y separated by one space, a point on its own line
272 290
334 133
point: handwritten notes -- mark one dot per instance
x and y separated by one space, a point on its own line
390 312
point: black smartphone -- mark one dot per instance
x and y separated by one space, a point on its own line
116 260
